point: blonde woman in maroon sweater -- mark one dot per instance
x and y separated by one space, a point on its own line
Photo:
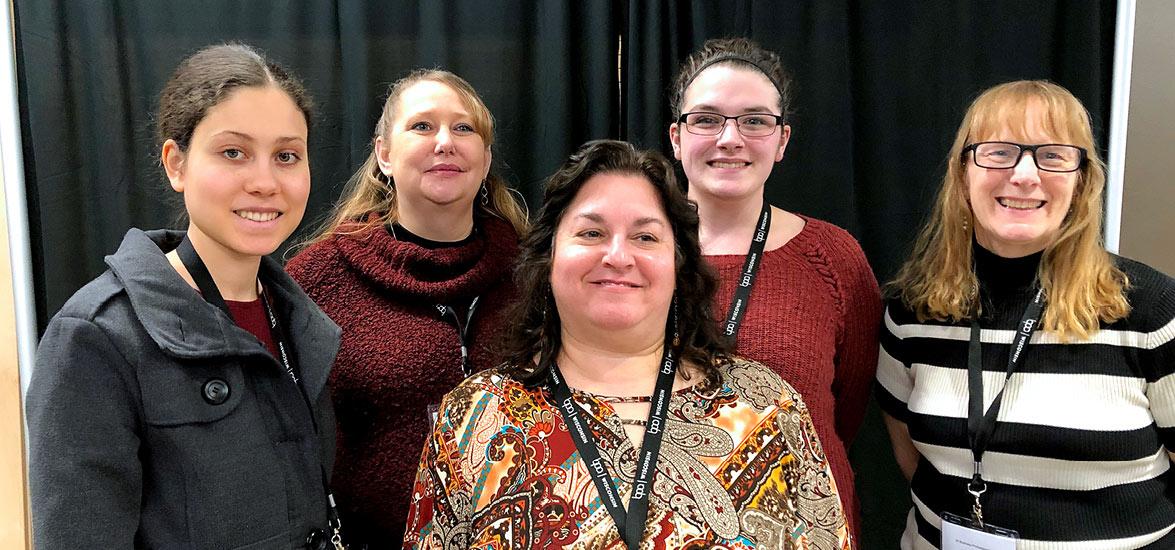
796 293
414 266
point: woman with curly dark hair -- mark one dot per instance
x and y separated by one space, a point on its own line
615 349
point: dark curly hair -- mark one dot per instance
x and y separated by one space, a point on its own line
535 331
740 52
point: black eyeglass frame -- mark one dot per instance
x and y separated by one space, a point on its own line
737 125
1025 148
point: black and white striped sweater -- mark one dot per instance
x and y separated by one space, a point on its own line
1080 455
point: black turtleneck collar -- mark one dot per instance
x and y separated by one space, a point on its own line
401 234
1004 275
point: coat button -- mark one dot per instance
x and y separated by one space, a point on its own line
216 391
316 540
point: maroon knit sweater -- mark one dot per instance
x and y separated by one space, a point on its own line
813 318
398 355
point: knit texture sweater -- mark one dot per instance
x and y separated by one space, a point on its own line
812 318
399 354
1079 455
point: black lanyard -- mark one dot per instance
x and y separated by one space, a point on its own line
203 279
742 294
462 330
980 424
630 524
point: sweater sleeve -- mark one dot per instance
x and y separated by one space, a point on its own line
819 506
1160 374
313 267
895 381
85 478
856 355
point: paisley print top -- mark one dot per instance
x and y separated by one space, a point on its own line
740 468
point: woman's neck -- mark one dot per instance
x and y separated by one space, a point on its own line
235 274
442 223
609 369
1002 274
727 225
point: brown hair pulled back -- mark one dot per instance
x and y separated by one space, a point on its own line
738 52
207 77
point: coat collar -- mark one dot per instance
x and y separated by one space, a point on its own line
185 326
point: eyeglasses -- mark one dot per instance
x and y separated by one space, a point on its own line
1050 157
749 125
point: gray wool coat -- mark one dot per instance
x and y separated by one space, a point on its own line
127 450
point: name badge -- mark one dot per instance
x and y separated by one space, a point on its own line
959 533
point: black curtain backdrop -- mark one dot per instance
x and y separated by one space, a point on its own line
879 89
91 72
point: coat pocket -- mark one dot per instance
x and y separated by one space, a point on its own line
190 392
212 457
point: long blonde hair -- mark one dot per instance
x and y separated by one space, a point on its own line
1078 276
369 198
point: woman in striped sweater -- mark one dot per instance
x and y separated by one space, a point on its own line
1026 373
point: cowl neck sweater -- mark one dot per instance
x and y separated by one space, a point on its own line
442 275
399 354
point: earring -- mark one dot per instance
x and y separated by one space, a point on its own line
485 194
966 226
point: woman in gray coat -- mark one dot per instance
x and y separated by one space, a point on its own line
179 400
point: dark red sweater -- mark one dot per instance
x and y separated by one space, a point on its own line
813 318
398 355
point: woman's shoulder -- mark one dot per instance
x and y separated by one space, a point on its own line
93 297
1144 279
96 334
1151 294
830 237
834 252
138 260
482 393
496 381
314 260
896 309
757 384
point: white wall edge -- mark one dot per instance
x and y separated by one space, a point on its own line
17 206
1119 118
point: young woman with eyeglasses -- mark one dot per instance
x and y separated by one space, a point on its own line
796 293
1027 375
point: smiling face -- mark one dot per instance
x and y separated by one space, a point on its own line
729 165
432 150
1018 211
613 263
245 176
